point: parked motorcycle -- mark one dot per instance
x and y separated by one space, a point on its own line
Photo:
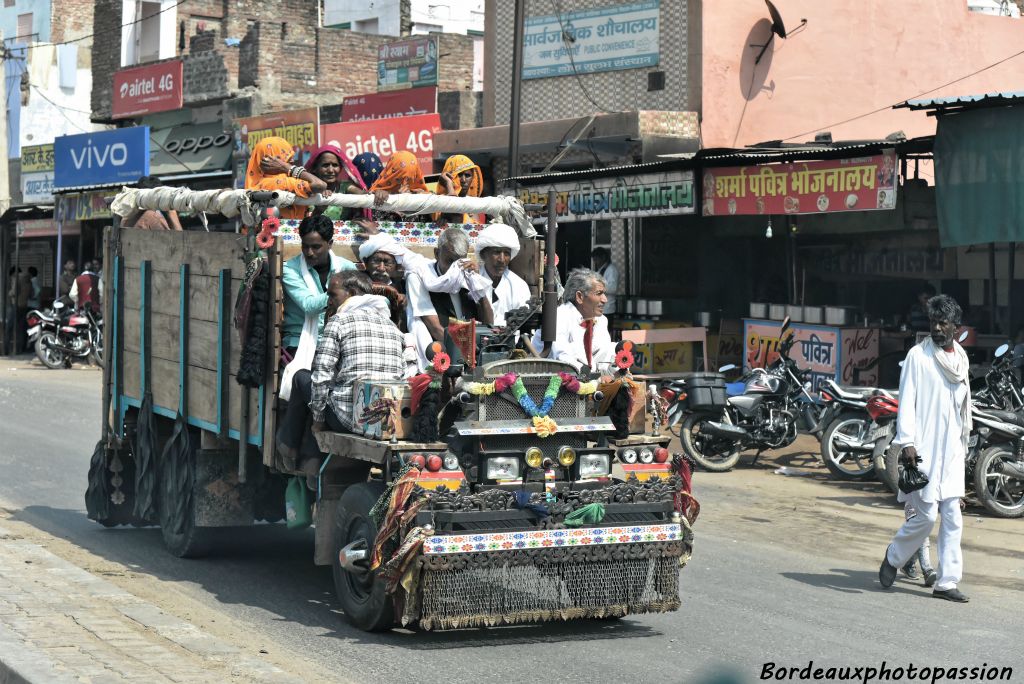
78 337
774 407
845 447
38 321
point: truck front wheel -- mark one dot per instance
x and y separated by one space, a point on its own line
360 592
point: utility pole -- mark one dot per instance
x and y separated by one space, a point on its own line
5 184
517 80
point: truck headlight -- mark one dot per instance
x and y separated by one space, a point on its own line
647 455
451 461
627 455
566 456
534 457
503 468
594 465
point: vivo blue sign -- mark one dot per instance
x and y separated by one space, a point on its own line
101 158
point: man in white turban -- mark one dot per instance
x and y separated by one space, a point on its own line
498 245
382 256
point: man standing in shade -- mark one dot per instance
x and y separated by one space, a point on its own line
932 428
604 267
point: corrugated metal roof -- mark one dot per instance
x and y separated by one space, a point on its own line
985 100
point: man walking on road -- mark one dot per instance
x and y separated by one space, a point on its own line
932 428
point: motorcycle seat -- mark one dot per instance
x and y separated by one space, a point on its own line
1007 416
856 393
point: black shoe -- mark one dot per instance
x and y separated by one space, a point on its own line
930 577
887 572
953 594
909 569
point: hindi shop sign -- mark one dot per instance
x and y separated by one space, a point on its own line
605 39
385 137
37 187
35 158
409 63
816 348
299 127
101 158
649 194
148 89
866 183
389 105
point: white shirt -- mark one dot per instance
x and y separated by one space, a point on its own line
418 304
611 285
929 419
510 293
568 344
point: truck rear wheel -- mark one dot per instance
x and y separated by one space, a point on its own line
176 506
360 592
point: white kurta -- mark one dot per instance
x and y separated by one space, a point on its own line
611 286
510 293
929 419
419 304
568 344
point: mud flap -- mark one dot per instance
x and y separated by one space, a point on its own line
220 500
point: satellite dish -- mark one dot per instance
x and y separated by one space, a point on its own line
778 28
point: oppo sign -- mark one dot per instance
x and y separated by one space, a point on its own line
101 158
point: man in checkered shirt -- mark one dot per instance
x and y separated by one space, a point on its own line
359 342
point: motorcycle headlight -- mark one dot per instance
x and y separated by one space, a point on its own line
451 461
594 465
627 455
503 468
534 457
566 456
647 455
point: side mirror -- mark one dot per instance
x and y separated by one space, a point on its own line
58 305
727 367
963 336
1003 348
785 326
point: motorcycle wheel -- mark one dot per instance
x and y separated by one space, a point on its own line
96 357
847 466
48 353
723 455
1001 494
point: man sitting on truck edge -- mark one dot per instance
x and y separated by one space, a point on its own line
450 287
582 337
498 245
359 342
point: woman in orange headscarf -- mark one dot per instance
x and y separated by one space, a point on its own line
460 178
400 175
270 168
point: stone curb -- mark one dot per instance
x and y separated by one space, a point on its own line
20 663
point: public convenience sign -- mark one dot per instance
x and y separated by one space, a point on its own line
101 158
649 194
385 137
389 105
409 63
604 39
865 183
148 89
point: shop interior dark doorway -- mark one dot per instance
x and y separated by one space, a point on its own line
574 245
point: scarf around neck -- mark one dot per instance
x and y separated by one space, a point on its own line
954 366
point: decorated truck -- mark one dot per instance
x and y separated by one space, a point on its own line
541 495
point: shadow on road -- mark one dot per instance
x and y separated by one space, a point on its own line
270 568
845 580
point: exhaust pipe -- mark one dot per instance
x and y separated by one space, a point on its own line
1012 469
723 430
844 447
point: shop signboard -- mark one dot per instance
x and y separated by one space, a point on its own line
36 158
37 187
389 105
917 257
45 227
190 149
87 206
649 194
147 89
409 63
861 184
589 41
300 127
385 137
816 348
101 158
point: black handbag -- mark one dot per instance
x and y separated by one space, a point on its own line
912 479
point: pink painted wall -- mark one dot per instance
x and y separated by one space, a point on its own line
850 59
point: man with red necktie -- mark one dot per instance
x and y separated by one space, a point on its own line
582 337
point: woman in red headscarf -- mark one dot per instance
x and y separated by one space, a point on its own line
330 165
270 168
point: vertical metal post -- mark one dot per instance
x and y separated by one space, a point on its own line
517 80
1011 258
107 347
223 351
992 286
184 294
145 333
549 321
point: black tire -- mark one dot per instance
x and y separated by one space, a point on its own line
1002 495
50 356
847 466
190 541
723 455
361 595
890 475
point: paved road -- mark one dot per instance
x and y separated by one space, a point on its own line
758 589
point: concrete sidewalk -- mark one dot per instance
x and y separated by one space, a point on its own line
59 623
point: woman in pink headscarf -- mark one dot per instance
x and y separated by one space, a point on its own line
330 165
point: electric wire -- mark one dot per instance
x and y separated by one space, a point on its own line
97 33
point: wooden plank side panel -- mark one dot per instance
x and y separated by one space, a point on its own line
167 290
206 253
202 343
202 389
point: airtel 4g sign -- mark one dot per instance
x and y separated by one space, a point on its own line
101 158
